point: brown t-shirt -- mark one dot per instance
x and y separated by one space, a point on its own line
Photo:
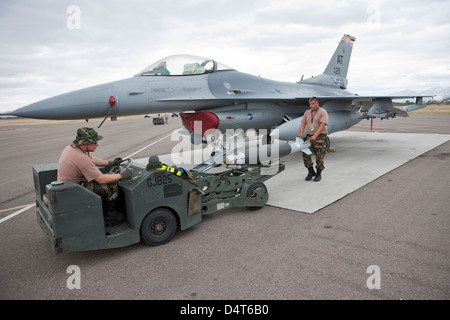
320 116
75 165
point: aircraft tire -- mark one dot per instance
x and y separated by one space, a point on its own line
251 192
158 227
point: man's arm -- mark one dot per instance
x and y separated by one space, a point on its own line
302 129
100 162
108 178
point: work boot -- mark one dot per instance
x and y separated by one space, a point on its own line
318 175
111 213
311 174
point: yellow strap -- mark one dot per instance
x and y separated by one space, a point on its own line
170 169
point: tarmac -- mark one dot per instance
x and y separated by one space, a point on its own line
391 213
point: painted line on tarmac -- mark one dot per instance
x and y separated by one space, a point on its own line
18 207
149 145
16 213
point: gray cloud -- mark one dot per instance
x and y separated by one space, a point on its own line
400 44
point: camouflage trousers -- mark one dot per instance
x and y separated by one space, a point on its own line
319 149
108 191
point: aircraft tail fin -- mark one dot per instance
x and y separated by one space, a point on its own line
336 71
338 65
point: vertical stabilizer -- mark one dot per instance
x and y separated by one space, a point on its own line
335 73
338 65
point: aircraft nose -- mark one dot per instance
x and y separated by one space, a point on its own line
88 103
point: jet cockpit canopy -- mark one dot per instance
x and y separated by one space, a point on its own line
181 65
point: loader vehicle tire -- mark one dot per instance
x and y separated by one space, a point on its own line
251 192
158 227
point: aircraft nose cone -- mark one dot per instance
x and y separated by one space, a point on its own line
92 102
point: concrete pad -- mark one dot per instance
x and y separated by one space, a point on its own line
360 158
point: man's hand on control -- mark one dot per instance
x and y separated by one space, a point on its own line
127 174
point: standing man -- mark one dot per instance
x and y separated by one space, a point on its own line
315 120
77 165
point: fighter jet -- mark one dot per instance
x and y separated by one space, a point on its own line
218 97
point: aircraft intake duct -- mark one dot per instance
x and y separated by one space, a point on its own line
199 122
251 116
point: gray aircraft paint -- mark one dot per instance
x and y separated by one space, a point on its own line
233 99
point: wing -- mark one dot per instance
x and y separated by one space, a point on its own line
370 106
378 106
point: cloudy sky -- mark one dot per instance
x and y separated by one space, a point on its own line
52 47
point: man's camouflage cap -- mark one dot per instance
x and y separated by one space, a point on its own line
86 136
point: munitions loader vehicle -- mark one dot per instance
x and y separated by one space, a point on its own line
158 120
156 204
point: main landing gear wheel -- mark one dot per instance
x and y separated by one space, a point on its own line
158 227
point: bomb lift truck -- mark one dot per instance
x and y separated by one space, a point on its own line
156 204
